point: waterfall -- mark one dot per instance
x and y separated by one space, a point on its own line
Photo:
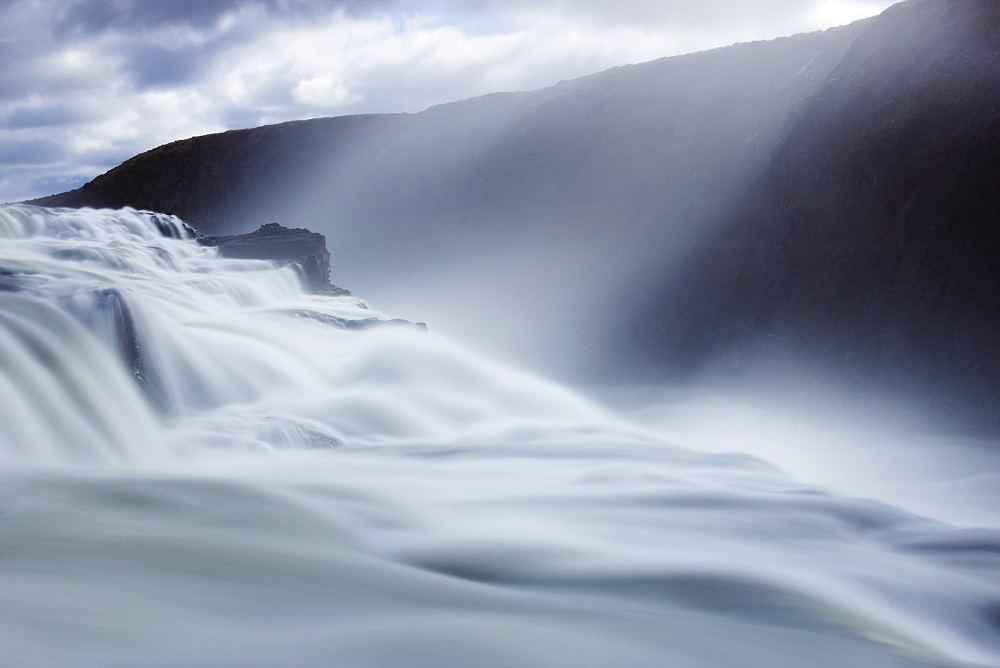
199 466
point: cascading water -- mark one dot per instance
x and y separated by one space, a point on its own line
197 468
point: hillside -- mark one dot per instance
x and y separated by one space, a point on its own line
871 242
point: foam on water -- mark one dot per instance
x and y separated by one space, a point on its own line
195 471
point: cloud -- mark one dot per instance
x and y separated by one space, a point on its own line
151 66
57 184
87 17
38 180
91 17
89 83
30 152
42 116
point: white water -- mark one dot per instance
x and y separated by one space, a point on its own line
194 473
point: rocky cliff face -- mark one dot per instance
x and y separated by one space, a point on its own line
306 250
871 242
272 241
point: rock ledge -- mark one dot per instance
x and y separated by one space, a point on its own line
293 245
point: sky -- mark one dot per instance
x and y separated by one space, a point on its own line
87 84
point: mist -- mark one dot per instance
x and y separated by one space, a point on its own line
831 433
532 224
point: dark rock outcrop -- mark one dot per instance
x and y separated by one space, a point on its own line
347 323
306 250
272 241
871 243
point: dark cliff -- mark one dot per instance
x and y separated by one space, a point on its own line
871 243
272 241
308 251
205 180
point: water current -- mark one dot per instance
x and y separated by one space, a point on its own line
200 466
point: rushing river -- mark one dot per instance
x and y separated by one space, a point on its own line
199 465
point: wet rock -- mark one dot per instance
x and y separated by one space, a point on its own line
272 241
347 323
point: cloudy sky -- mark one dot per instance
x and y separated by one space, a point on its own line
86 84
